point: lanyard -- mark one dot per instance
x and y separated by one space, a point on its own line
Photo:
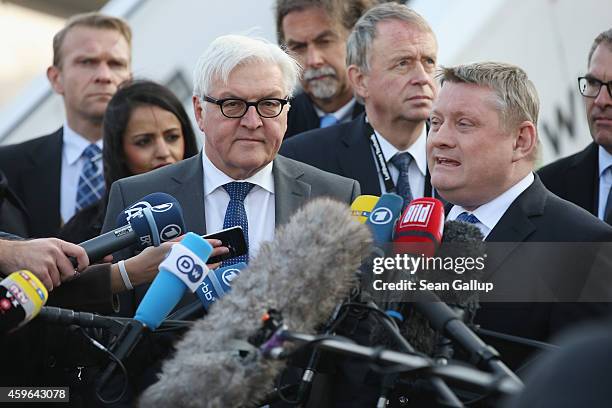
381 162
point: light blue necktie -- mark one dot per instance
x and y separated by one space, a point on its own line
236 215
91 181
328 120
402 162
467 217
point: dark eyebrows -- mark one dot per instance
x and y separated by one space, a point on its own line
327 33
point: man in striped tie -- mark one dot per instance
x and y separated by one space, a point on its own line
61 173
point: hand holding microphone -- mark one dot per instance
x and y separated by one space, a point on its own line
46 258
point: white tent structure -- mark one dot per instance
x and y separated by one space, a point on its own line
550 39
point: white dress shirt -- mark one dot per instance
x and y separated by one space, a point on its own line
259 203
490 213
418 165
605 180
72 164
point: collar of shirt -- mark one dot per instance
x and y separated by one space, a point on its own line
215 178
417 150
74 144
605 161
341 114
490 213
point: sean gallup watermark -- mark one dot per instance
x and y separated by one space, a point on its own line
404 272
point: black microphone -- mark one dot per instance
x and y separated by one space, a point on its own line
147 226
304 272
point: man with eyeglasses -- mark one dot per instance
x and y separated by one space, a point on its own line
241 88
585 178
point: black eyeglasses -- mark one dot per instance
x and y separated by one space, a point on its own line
237 108
590 87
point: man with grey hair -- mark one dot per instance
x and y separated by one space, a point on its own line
241 88
481 154
315 32
585 178
391 58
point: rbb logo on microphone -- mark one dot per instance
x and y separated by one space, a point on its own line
381 215
217 283
418 214
186 265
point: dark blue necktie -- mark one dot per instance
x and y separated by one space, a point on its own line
91 181
402 162
467 217
236 215
608 208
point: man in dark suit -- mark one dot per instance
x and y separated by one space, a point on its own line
585 178
481 151
240 86
392 55
315 31
58 174
240 149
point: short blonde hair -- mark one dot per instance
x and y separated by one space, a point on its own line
517 97
92 20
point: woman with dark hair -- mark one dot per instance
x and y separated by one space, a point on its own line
145 127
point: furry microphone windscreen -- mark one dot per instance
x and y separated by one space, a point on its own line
304 272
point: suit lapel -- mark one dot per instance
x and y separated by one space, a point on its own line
187 187
290 193
355 157
583 179
516 226
43 180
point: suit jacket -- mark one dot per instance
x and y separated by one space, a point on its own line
294 183
538 216
575 178
343 149
33 169
302 116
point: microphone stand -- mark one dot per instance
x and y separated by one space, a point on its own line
464 375
389 380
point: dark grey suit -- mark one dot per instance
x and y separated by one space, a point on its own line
294 184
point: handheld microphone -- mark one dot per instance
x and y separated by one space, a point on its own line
304 272
383 216
147 226
184 267
362 207
419 229
22 295
218 283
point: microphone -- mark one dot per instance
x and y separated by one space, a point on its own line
146 226
419 230
22 295
362 207
218 283
304 273
383 216
184 267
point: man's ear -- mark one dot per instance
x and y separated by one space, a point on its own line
55 79
525 141
358 80
198 109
